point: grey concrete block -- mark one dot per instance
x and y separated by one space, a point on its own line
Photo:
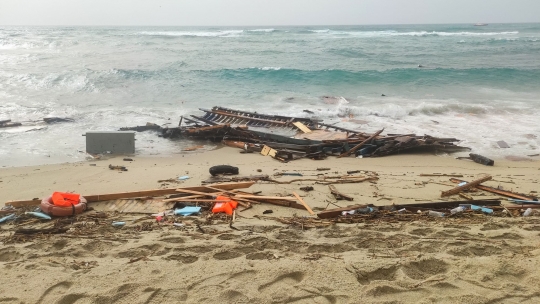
115 142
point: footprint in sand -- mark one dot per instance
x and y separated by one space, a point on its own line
385 273
284 281
51 294
424 269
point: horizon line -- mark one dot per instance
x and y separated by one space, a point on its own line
270 25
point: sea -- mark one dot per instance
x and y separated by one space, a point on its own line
479 84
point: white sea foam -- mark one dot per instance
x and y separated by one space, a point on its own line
321 31
270 68
390 33
224 33
269 30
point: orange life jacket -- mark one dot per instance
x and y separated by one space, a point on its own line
65 199
226 207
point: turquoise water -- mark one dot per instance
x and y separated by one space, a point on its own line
479 84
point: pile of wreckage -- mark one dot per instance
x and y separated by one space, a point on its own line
313 138
195 209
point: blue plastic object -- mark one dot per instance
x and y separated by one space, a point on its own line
187 211
483 209
7 218
118 224
40 215
183 177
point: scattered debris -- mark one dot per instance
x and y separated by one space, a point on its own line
307 188
120 168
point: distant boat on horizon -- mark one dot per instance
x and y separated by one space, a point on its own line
480 24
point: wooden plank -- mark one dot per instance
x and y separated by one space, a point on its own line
173 199
266 197
337 211
304 203
360 145
302 127
18 204
466 186
145 193
194 192
338 194
436 174
496 191
266 150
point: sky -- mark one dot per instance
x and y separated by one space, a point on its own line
264 12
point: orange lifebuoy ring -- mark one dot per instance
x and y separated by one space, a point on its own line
49 208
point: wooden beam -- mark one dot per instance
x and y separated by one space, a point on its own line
255 197
466 186
304 203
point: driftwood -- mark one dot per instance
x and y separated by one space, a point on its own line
440 174
466 186
339 195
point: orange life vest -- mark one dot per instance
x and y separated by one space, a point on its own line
65 199
226 207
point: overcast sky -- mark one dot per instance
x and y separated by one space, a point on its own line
264 12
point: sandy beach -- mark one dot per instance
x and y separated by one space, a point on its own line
479 260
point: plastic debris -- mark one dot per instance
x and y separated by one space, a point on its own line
365 210
118 224
528 212
40 215
183 177
435 213
7 218
457 210
189 210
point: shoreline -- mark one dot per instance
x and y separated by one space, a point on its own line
144 172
